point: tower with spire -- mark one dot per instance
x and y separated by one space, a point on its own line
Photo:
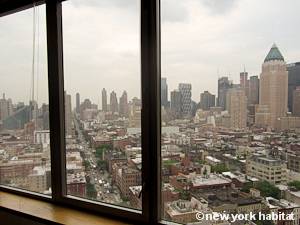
273 94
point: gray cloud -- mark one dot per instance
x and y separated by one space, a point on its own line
106 3
173 11
219 6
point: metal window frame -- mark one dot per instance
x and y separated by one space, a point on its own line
8 7
151 130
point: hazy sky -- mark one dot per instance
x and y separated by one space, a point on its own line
201 40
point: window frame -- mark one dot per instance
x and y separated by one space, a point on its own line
151 115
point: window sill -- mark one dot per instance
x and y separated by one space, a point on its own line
50 212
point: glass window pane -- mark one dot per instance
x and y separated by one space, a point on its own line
103 100
24 109
230 107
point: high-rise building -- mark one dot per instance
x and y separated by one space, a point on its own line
123 106
104 100
135 107
243 79
77 103
19 118
45 116
164 92
86 104
236 105
265 168
207 100
244 83
10 107
34 110
186 99
294 81
293 161
136 102
262 115
296 101
223 85
176 103
113 102
253 90
273 87
4 108
68 114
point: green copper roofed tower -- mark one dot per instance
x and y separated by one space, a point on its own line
274 54
273 90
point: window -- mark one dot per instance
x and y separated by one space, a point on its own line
225 87
24 108
103 101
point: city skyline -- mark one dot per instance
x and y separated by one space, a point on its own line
120 92
244 42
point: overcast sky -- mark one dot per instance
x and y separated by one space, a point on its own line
201 40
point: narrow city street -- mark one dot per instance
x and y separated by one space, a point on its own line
101 179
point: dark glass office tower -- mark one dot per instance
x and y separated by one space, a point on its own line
294 81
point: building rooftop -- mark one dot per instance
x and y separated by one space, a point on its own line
38 171
76 178
136 190
16 162
180 207
274 54
213 179
212 159
281 204
137 160
262 159
226 196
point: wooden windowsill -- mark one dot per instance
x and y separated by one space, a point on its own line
51 212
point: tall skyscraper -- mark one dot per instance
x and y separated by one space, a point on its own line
207 100
4 109
19 118
253 99
236 105
113 102
135 112
186 99
123 106
10 107
296 101
77 102
273 87
176 103
253 90
34 110
164 92
68 114
104 100
244 83
86 104
243 79
294 81
223 85
45 116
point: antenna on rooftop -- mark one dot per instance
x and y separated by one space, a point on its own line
35 62
33 53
